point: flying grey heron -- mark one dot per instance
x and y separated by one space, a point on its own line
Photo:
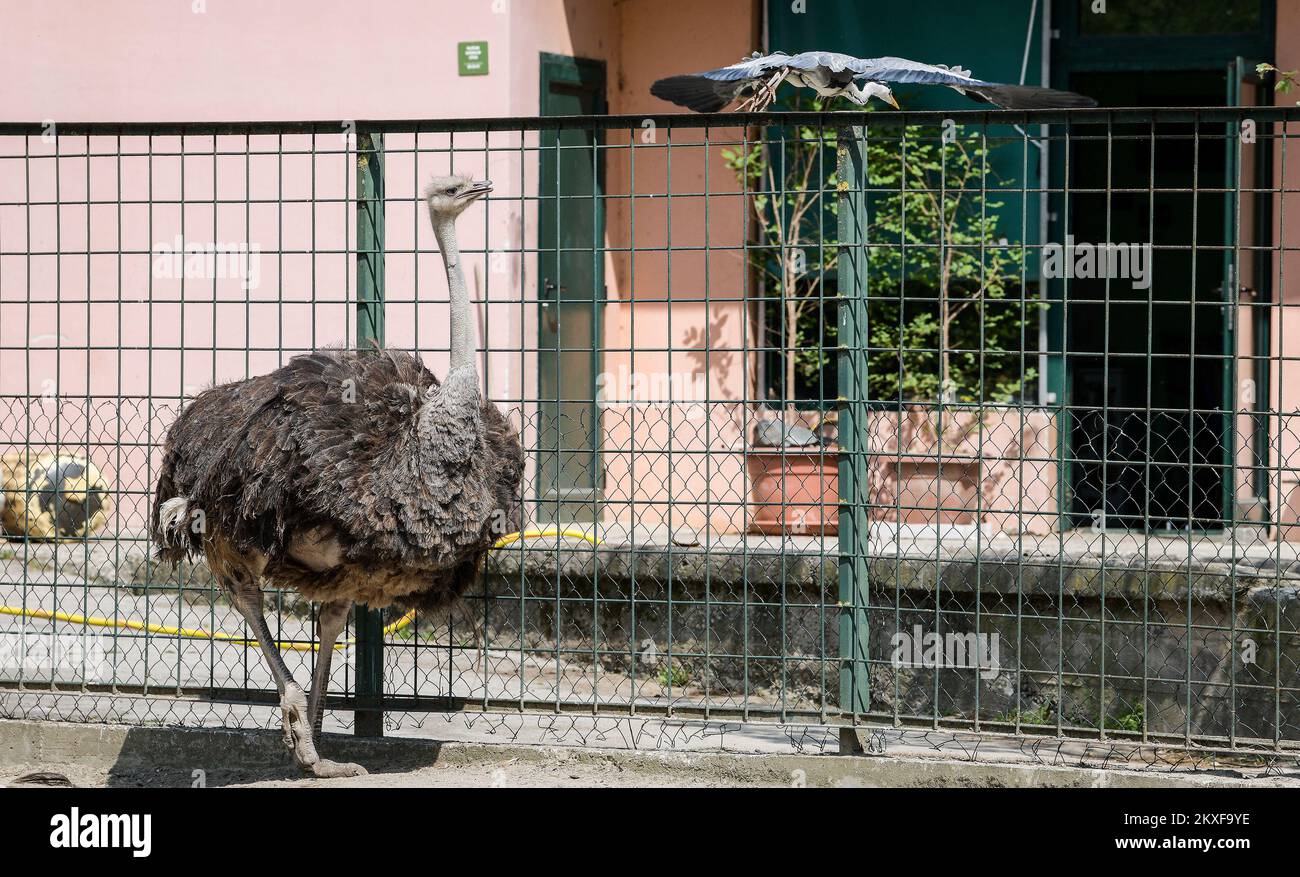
832 74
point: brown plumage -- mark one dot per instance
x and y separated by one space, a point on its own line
321 473
351 476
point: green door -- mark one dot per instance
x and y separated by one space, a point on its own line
570 292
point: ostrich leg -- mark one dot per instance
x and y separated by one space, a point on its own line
332 619
246 594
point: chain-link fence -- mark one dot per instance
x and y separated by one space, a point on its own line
972 422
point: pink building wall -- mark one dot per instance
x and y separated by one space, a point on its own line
97 350
690 300
1284 479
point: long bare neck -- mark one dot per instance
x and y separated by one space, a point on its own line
462 348
454 405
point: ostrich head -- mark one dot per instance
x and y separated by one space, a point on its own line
448 196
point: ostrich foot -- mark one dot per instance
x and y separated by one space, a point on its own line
297 728
327 769
298 738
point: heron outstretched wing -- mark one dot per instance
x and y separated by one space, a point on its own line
753 67
902 70
711 90
1012 97
760 66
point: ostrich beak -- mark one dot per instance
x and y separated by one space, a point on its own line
478 189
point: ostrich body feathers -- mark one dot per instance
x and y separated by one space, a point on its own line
343 474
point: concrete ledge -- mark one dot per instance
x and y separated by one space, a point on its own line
168 756
1130 567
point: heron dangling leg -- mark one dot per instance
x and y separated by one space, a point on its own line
331 619
750 101
766 92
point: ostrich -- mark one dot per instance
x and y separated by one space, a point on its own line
351 476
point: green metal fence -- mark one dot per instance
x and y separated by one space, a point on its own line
841 429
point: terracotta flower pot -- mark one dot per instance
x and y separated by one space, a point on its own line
937 492
794 491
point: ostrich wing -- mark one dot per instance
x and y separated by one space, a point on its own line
1011 97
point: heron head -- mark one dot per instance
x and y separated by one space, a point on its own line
881 91
448 196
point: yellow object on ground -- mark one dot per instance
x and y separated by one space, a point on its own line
52 495
191 633
512 538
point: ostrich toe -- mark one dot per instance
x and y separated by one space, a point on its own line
326 769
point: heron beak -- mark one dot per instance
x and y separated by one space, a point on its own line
889 99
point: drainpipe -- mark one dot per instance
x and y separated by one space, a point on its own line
1044 168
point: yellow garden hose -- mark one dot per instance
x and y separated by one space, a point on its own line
511 539
192 633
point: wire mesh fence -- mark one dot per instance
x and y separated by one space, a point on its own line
972 422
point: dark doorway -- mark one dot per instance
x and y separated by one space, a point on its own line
1145 368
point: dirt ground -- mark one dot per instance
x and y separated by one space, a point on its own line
102 755
454 765
509 773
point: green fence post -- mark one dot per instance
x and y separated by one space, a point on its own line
851 271
369 686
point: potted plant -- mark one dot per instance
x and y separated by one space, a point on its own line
791 458
947 321
794 488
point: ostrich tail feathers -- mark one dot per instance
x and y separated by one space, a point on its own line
175 533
